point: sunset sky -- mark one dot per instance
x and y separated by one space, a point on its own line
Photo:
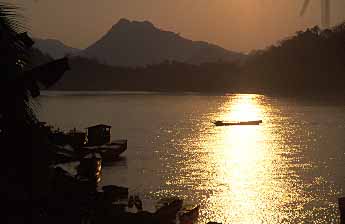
240 25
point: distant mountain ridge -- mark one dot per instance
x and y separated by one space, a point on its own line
133 43
55 48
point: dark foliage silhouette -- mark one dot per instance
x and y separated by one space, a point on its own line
166 76
308 62
22 141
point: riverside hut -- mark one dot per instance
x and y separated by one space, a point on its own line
98 134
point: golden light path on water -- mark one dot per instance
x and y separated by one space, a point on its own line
245 182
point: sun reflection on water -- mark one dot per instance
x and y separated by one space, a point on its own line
243 108
244 167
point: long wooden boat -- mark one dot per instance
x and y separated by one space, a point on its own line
222 123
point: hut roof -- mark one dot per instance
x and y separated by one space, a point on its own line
99 126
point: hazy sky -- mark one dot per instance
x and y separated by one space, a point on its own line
241 25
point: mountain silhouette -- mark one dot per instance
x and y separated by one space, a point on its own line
133 43
54 48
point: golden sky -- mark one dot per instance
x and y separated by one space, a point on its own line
240 25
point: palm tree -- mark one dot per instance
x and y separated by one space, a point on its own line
22 144
16 82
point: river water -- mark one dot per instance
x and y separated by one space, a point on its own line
289 169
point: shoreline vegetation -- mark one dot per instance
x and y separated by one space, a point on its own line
38 192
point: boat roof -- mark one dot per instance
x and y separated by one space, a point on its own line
99 126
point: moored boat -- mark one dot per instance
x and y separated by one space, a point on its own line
108 152
96 140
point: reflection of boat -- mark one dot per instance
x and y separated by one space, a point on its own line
90 168
222 123
189 215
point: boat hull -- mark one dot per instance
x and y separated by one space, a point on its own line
221 123
109 152
189 216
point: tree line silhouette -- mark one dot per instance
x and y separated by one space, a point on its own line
312 61
87 74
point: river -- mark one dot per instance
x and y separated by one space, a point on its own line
289 169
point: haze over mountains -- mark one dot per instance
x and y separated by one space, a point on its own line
133 43
54 48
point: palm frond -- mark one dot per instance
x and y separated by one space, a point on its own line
13 42
10 18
